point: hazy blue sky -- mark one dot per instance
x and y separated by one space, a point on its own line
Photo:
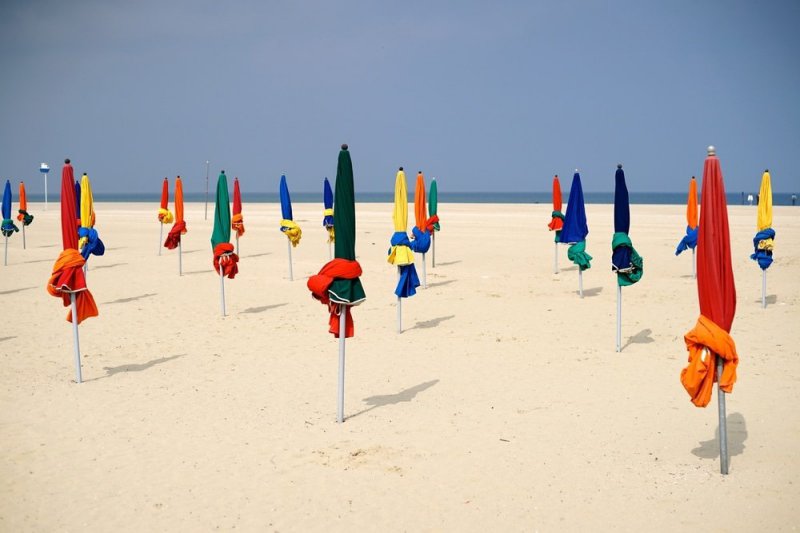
482 95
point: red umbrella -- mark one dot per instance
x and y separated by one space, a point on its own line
237 222
717 294
67 280
557 219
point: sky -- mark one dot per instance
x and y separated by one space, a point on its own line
484 96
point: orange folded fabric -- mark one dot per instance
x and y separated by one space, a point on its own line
319 284
67 278
224 255
703 342
237 224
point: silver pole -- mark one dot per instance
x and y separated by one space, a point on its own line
342 336
555 258
619 318
221 289
237 244
206 216
424 273
580 281
764 289
160 237
330 250
289 243
5 256
24 246
75 341
180 259
694 263
85 271
723 423
399 308
433 249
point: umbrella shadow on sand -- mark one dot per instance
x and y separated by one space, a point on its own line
432 323
129 299
737 434
643 337
770 299
12 291
392 399
594 291
262 308
441 283
111 370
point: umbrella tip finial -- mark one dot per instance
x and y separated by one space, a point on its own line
344 146
619 165
712 150
766 170
576 170
66 161
401 168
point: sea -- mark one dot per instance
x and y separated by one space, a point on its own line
659 198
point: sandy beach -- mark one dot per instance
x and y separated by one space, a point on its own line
502 406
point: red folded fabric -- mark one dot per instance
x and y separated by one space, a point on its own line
67 278
319 284
174 235
430 222
224 256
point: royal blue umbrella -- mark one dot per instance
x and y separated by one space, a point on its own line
625 261
288 226
8 226
327 214
576 229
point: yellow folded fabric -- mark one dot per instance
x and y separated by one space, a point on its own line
292 231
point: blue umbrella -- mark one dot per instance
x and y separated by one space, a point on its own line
575 230
286 201
78 202
8 226
327 214
288 226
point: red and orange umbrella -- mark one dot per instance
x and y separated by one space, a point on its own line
237 222
179 228
712 351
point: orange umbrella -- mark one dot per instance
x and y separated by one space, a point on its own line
23 216
423 226
179 228
237 222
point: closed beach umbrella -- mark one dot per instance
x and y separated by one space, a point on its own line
164 214
717 295
225 259
78 203
67 280
690 239
576 229
556 219
179 228
237 222
764 241
327 212
433 214
88 240
626 263
422 228
8 226
338 285
288 225
23 215
400 254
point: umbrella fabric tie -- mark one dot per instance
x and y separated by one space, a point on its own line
706 339
174 235
68 278
327 222
321 282
225 257
400 249
237 224
8 227
25 217
577 254
422 240
432 224
763 244
689 240
165 216
90 243
625 260
292 231
556 223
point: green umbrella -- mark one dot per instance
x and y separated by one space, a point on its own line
433 206
346 291
222 213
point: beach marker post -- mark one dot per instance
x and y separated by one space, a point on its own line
75 340
340 388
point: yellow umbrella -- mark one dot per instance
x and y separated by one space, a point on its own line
764 241
89 242
400 253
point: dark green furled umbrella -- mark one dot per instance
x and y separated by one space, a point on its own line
225 259
345 291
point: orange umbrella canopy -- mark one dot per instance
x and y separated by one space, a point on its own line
420 207
691 205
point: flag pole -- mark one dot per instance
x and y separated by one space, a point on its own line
289 243
763 288
619 318
342 337
160 237
424 273
75 339
221 288
580 281
723 424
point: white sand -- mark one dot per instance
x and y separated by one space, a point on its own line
503 406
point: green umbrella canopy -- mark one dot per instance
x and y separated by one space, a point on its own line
222 213
433 202
347 291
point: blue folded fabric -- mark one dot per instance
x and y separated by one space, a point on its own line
763 257
689 241
399 238
409 281
621 258
421 242
94 245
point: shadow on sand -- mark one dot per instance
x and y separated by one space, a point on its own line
262 308
432 323
441 283
12 291
392 399
130 299
594 291
643 337
112 265
111 370
737 434
771 299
